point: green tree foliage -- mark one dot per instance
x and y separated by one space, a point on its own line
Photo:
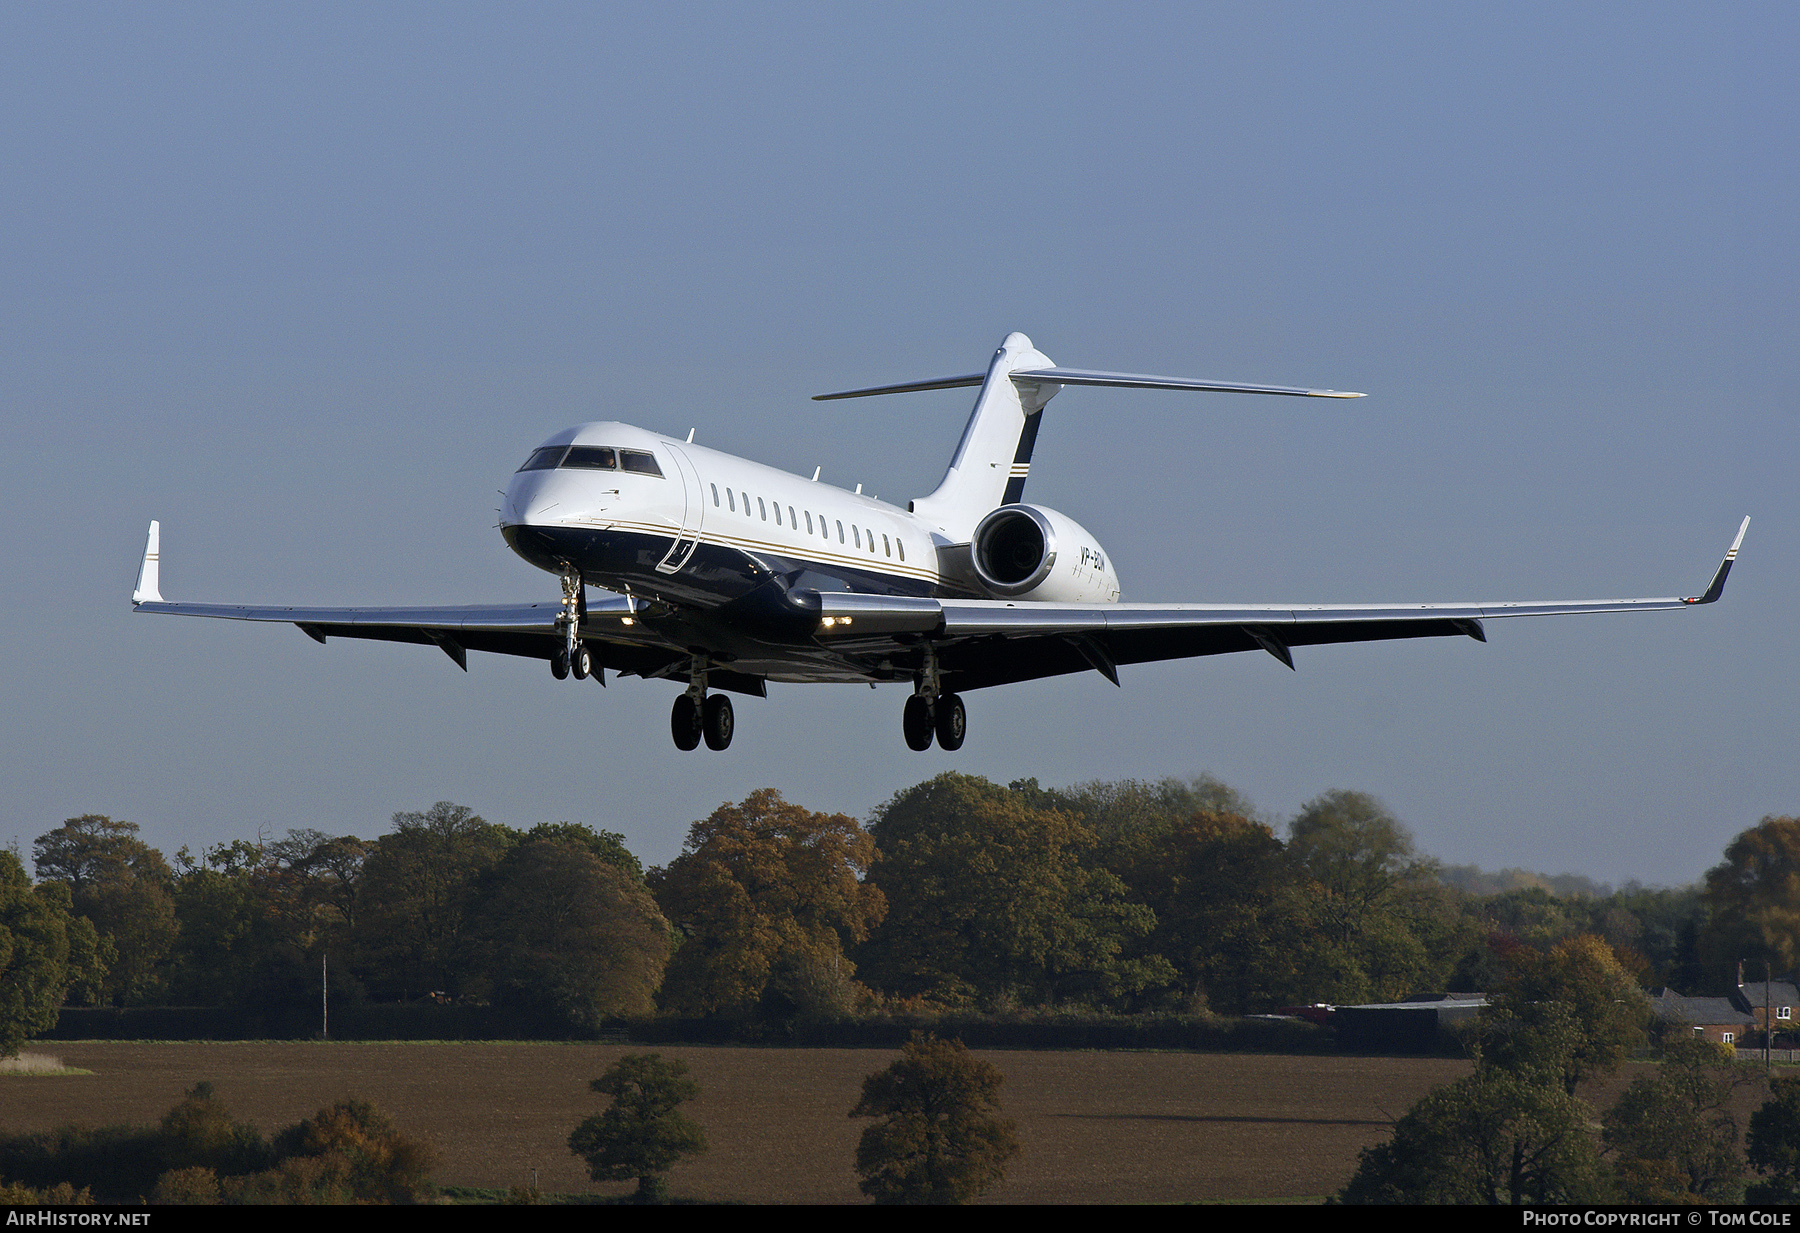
606 846
1753 900
642 1134
125 887
1582 978
993 901
577 938
416 892
35 953
939 1140
1381 926
1774 1145
1494 1137
1229 915
769 896
1674 1132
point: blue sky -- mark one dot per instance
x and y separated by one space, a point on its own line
306 283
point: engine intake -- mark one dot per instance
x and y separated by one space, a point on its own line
1031 552
1014 549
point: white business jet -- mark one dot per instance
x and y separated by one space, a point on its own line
723 574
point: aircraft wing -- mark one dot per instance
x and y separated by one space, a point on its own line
993 642
531 630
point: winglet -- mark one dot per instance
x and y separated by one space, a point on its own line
1718 583
148 587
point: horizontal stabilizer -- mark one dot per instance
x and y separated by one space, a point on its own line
1085 376
1143 381
909 387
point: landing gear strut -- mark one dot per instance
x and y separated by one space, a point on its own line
932 713
572 657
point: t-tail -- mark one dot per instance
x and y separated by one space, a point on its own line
993 458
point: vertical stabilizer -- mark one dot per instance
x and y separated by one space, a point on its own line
994 455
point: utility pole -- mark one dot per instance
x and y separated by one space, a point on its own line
325 996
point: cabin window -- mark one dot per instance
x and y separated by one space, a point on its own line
545 459
809 522
777 513
856 534
793 521
886 549
840 532
901 545
641 461
871 543
592 458
730 501
763 509
715 489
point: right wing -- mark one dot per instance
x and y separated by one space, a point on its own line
531 630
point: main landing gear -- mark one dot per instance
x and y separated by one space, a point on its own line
932 713
698 715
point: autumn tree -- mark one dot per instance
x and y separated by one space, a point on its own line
1753 901
560 931
939 1140
125 887
1581 978
991 901
769 896
642 1134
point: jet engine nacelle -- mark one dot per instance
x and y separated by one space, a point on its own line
1031 552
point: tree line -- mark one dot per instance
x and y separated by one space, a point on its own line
958 893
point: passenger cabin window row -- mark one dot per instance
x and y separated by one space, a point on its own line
730 501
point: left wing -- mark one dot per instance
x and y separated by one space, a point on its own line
994 642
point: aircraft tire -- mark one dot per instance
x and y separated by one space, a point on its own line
915 722
582 664
718 721
684 722
559 663
952 722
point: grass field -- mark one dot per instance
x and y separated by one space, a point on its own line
1093 1127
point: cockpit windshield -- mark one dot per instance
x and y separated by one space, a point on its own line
592 458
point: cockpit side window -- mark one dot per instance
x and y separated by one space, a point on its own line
641 461
592 458
544 459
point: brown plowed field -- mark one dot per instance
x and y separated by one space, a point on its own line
1093 1127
